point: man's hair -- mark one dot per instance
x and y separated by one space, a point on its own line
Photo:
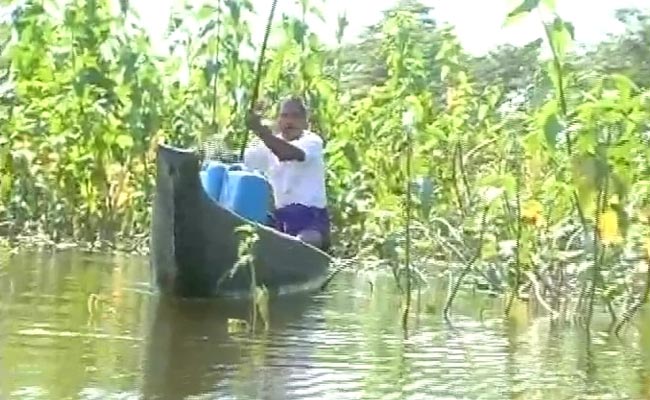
296 100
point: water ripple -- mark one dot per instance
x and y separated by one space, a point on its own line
344 344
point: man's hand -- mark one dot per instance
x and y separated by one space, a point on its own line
254 123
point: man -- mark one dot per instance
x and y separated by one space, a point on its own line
293 162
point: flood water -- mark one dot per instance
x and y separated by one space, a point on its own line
82 326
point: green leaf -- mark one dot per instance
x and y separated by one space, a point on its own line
5 186
541 91
554 74
550 4
489 248
352 156
208 28
625 85
524 8
124 6
444 72
235 10
205 12
299 32
446 47
552 127
585 178
482 111
211 70
561 35
313 10
95 77
124 141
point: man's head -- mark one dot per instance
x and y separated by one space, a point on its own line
292 118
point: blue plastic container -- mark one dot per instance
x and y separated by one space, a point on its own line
247 194
212 179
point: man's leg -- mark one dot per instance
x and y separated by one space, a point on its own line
308 224
317 231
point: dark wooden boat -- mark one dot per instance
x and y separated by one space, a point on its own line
194 245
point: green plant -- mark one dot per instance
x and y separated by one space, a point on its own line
535 189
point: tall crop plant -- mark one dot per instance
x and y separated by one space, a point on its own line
543 200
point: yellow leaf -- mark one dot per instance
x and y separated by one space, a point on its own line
647 247
122 199
608 228
532 213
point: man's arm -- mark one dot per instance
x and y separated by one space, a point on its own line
282 149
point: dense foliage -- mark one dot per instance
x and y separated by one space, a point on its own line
531 173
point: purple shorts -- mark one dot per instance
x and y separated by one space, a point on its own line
294 218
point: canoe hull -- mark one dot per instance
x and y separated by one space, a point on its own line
194 243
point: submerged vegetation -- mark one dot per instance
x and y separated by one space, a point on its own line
530 173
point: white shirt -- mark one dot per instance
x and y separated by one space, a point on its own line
301 182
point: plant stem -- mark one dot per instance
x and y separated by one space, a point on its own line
215 79
409 155
454 178
468 267
598 252
629 313
517 282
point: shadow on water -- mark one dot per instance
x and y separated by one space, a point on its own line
194 346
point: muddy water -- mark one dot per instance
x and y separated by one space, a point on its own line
79 326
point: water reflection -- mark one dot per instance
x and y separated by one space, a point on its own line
192 349
343 344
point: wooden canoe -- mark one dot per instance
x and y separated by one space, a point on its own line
194 245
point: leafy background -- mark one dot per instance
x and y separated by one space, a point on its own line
528 173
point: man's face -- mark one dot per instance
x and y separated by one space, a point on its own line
292 120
